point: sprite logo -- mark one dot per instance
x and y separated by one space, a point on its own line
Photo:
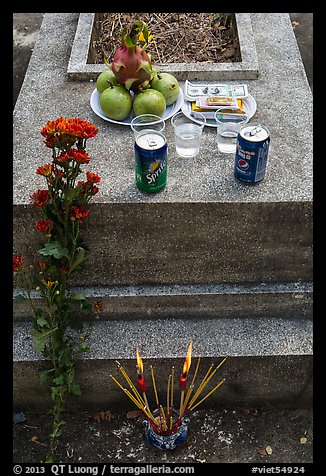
155 171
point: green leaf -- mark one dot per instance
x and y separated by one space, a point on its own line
65 357
43 377
42 322
54 249
20 298
78 297
75 323
57 429
39 339
79 258
84 347
69 194
59 380
86 306
58 392
75 389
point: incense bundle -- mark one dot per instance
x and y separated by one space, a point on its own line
165 420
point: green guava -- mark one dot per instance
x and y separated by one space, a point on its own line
167 85
116 102
103 78
149 101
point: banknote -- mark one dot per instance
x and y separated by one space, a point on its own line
194 91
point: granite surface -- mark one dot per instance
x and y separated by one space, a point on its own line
284 104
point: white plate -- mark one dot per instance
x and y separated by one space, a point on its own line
169 111
249 104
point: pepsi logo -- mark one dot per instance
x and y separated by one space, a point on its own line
243 164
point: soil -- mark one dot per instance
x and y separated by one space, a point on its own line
215 436
178 37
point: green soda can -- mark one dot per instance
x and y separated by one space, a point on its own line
151 161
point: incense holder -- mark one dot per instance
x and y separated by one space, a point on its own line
167 442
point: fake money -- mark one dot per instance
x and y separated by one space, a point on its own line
194 91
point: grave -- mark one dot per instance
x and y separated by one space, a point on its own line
208 258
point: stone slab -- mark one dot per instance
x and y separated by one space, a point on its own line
217 230
117 339
250 381
284 102
208 227
270 359
188 243
288 301
81 68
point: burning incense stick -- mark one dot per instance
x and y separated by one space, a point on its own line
140 376
167 422
165 427
205 381
172 386
154 386
190 389
134 389
199 389
184 375
168 395
206 396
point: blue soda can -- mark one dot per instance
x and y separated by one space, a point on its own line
251 153
151 161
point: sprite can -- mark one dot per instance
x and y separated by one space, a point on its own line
151 161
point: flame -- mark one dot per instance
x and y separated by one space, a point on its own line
186 365
139 360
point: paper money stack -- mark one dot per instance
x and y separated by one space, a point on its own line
207 98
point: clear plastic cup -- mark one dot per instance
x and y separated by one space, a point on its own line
146 123
228 126
188 133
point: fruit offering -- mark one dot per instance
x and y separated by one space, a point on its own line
131 83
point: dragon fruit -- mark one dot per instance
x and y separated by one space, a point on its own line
131 64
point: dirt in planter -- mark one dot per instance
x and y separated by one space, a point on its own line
178 37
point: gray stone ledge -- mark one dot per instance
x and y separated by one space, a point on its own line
292 300
169 338
278 380
282 93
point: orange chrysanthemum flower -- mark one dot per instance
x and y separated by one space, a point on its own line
43 225
62 131
40 198
48 284
79 212
45 170
93 178
17 263
98 306
78 155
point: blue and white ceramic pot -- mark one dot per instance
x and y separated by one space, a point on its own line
167 442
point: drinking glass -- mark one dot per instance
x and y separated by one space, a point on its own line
188 133
228 126
147 122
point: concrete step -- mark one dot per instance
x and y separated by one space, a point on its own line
286 300
187 243
270 358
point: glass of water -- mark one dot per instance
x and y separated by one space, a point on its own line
147 122
228 126
187 133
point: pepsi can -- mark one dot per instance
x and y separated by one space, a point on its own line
151 161
251 153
